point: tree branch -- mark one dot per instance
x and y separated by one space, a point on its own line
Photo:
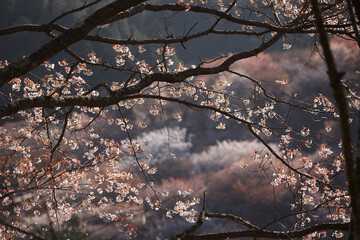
73 35
269 234
34 236
122 94
341 103
73 11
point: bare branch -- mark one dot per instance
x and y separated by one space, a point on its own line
233 218
269 234
73 11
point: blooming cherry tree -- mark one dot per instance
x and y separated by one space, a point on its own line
58 161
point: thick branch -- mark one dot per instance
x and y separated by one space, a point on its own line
335 83
356 4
